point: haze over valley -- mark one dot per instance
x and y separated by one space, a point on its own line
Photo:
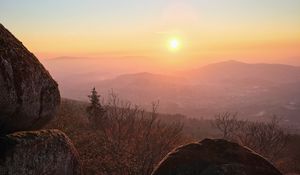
255 91
149 87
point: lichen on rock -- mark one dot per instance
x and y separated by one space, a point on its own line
38 152
29 97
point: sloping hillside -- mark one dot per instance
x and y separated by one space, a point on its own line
253 90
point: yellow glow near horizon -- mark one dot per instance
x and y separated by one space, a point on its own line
178 32
174 44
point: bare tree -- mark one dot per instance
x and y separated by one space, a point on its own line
266 138
227 124
134 140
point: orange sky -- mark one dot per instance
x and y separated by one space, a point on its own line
266 31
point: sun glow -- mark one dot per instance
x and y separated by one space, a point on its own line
174 44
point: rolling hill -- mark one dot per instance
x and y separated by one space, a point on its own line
253 90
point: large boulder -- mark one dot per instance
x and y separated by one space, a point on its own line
47 152
29 97
214 157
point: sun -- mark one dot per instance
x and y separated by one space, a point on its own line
174 44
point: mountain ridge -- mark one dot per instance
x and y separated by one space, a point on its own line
227 65
249 89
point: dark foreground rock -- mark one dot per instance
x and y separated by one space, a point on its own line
29 97
45 152
214 157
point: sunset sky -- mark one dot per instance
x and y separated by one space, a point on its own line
207 30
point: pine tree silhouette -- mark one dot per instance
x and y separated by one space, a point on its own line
95 110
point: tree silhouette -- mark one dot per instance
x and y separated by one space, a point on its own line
95 110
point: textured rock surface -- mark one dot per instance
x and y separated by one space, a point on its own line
29 97
214 157
47 152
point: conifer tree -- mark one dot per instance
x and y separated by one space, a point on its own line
95 110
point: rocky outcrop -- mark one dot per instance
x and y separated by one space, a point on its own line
29 97
47 152
214 157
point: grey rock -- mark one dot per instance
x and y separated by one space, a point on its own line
29 97
45 152
214 157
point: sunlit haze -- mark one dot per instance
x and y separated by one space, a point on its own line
250 31
119 87
174 44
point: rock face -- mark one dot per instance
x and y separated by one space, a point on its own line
214 157
29 97
47 152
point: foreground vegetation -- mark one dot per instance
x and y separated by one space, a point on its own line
122 138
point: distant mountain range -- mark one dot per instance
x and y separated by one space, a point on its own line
237 71
253 90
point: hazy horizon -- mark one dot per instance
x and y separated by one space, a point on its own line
142 31
131 87
91 43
